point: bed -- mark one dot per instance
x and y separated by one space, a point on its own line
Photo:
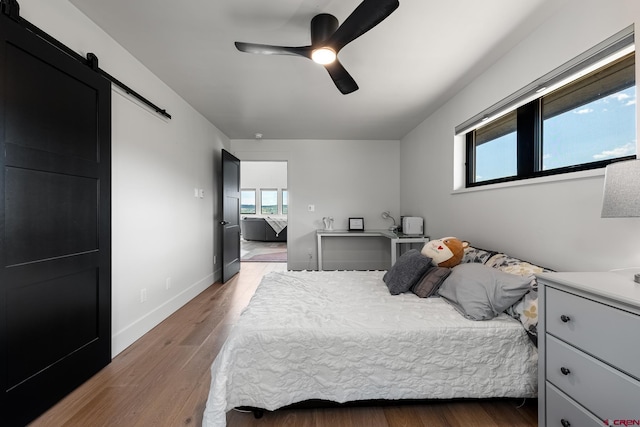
341 336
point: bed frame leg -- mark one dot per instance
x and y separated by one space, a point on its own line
257 413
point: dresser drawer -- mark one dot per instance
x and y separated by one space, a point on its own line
604 391
605 332
561 408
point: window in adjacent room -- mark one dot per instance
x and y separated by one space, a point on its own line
586 123
269 202
247 201
285 202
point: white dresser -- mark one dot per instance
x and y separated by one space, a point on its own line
589 350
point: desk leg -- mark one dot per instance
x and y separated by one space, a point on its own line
319 244
394 247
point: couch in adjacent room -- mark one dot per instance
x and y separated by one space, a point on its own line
264 229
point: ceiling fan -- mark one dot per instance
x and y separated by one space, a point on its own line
327 38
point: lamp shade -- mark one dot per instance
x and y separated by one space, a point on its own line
621 197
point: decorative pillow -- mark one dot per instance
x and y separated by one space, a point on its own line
526 309
513 265
430 282
480 292
407 270
472 254
526 312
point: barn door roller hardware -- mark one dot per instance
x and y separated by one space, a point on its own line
11 8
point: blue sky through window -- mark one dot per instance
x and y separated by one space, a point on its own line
497 158
600 130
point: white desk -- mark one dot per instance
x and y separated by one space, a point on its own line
395 239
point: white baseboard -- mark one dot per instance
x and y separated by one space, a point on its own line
128 335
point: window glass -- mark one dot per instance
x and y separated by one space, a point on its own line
269 202
248 201
496 149
285 201
592 119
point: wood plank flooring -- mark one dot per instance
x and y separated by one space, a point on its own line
163 380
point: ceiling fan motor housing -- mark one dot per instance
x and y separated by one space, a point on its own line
322 27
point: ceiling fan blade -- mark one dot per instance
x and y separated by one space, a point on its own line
265 49
367 15
342 79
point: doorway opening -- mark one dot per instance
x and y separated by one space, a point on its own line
264 211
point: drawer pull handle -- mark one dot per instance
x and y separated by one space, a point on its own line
565 318
565 371
565 423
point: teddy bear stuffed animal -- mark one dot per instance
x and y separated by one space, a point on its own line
445 252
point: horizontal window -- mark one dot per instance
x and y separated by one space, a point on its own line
582 125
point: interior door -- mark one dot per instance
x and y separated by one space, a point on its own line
230 222
55 224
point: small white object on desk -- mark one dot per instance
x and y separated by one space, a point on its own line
328 223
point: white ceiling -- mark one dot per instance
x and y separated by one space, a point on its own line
406 67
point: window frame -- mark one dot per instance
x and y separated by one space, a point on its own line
529 145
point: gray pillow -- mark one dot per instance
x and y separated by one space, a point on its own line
480 292
430 282
407 270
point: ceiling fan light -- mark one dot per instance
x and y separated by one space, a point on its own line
323 55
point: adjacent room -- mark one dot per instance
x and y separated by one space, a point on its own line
263 211
318 213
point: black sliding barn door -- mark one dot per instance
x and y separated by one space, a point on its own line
55 224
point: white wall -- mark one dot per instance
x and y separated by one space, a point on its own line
160 230
263 175
341 179
556 224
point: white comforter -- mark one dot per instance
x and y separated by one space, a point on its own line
341 336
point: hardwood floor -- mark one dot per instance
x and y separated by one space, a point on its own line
163 380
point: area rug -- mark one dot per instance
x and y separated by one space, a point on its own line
252 251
